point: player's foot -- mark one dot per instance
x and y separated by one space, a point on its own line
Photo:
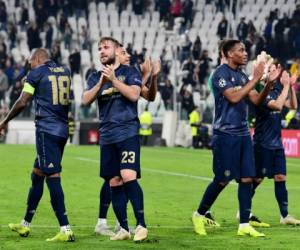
289 220
249 230
103 229
141 233
198 221
20 229
255 222
122 234
67 236
210 221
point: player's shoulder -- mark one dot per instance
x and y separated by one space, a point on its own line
93 78
221 71
95 75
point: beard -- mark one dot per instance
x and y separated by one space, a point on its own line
109 60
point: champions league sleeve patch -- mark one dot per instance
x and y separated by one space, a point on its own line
222 83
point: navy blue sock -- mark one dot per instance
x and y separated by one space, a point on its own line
34 196
254 186
244 195
210 195
135 195
119 203
57 200
105 200
281 197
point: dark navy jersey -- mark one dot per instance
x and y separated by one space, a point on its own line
229 118
50 84
267 131
118 115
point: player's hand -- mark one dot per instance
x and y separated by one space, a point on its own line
3 128
274 73
258 70
285 78
146 67
293 79
109 73
156 67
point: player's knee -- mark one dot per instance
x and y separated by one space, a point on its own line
55 175
128 175
279 177
38 172
258 180
115 181
223 184
246 180
37 179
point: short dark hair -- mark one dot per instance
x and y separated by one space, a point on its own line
108 38
228 45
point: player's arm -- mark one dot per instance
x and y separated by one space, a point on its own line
279 103
19 105
90 95
131 92
234 96
292 102
150 93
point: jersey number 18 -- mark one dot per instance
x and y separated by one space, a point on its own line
60 89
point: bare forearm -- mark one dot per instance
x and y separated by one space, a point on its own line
16 109
281 99
234 96
90 95
263 94
153 88
128 91
293 99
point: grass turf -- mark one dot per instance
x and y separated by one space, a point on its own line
173 180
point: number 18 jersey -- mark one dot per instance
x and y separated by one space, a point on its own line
50 85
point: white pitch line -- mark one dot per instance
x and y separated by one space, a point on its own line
170 173
161 171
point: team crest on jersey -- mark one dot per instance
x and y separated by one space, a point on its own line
227 173
121 78
264 170
232 79
222 83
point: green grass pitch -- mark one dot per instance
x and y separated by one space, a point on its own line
173 180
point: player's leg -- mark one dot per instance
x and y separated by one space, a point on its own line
119 203
110 170
130 171
50 163
281 192
102 227
34 196
222 148
262 159
247 173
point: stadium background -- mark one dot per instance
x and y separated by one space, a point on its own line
184 35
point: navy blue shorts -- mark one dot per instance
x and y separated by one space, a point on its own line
269 162
121 155
50 149
232 157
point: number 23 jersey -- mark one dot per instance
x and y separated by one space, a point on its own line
50 85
